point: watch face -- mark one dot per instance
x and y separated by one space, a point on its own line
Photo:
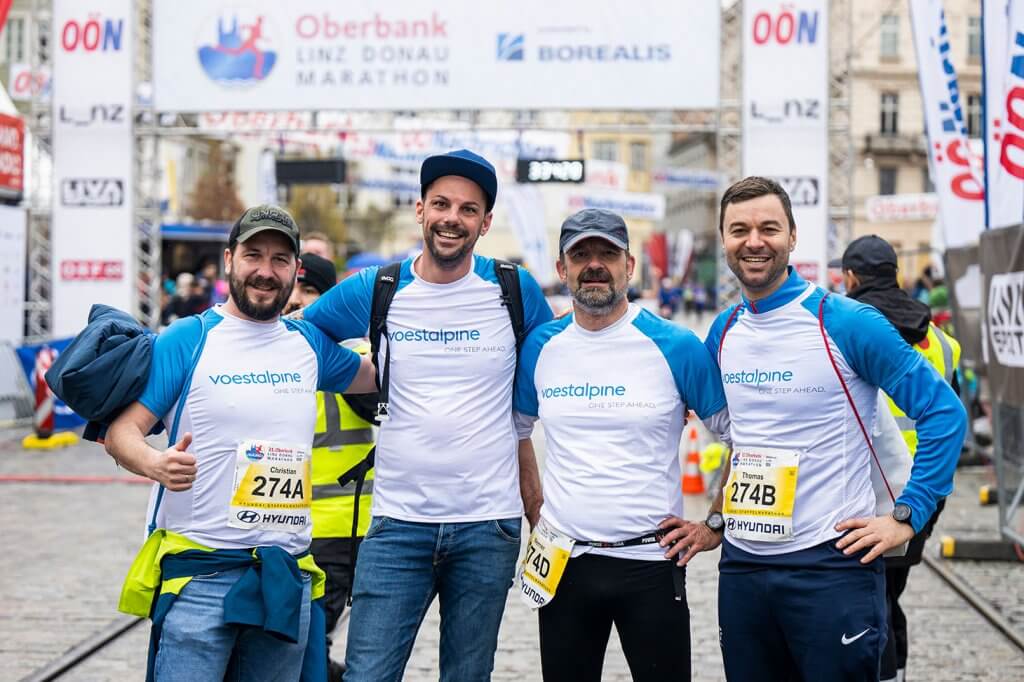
901 513
715 521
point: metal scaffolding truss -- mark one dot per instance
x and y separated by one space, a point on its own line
730 129
146 181
37 303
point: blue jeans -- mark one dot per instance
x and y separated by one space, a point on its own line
401 567
196 645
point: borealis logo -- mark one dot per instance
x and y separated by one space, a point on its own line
511 47
240 54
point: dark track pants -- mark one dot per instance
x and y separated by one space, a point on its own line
789 623
639 597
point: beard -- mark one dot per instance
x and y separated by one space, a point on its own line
594 300
256 311
776 267
451 259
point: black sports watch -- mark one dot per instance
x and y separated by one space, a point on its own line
715 521
901 513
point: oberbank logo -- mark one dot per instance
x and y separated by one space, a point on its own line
511 47
240 55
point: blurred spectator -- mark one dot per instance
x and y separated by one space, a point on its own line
319 244
923 285
189 298
669 296
208 278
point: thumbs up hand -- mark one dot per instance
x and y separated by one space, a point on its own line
175 467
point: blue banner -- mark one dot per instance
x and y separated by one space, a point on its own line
63 418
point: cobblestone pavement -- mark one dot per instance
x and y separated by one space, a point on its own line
67 547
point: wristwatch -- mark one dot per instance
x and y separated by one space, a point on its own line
715 521
901 513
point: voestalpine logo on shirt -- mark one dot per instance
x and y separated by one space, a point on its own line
442 336
281 382
598 396
757 376
451 340
769 381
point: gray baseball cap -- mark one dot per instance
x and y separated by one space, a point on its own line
593 222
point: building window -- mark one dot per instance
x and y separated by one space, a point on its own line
886 180
890 113
973 38
927 185
605 150
889 37
973 115
637 156
43 36
525 117
15 42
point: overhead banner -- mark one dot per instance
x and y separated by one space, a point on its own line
785 119
533 54
956 171
92 235
1004 117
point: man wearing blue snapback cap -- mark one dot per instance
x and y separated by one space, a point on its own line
446 511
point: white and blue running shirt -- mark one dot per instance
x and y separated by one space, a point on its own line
784 393
448 453
252 380
613 404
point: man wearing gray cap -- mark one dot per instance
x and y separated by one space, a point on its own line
446 492
599 554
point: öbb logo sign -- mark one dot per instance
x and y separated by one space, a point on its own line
786 26
92 35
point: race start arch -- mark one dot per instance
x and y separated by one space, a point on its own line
127 75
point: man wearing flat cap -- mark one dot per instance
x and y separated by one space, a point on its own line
612 383
446 500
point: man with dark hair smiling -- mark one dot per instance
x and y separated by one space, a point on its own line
239 383
801 585
448 490
611 482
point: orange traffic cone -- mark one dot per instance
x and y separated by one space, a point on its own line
693 482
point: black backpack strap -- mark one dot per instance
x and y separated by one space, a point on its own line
512 297
358 474
384 287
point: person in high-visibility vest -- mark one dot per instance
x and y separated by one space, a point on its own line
869 267
343 438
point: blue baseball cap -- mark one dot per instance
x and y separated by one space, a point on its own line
463 163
